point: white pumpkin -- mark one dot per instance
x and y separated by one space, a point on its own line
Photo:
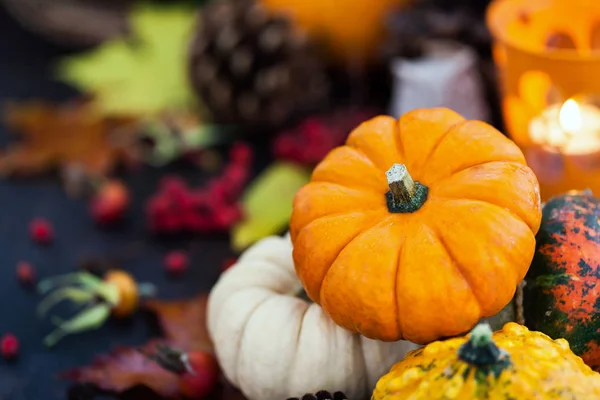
273 345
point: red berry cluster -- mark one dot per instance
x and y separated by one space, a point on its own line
178 208
313 138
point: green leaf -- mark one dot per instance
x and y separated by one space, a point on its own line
142 74
267 203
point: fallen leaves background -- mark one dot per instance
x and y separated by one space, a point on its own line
124 368
183 322
127 76
69 136
184 326
145 72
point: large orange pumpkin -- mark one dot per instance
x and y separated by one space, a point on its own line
416 228
352 28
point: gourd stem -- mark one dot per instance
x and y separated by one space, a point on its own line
401 184
481 351
405 195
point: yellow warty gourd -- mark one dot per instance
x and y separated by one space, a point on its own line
511 364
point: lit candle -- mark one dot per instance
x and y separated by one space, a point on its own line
571 128
564 135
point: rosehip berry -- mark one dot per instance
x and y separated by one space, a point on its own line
313 130
26 273
41 231
110 203
240 154
203 376
285 147
176 262
9 346
218 192
228 215
235 174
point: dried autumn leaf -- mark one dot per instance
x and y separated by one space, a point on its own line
141 74
62 136
124 368
183 322
184 325
267 203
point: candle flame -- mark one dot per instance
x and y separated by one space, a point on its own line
570 116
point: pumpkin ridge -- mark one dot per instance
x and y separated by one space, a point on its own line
455 264
496 172
377 200
397 302
479 164
330 181
339 185
479 144
350 239
385 221
511 212
280 302
243 332
321 172
359 132
436 144
340 214
399 143
293 360
360 232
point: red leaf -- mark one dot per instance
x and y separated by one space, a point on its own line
124 368
183 322
184 325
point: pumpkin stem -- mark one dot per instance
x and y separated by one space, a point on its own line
481 350
405 195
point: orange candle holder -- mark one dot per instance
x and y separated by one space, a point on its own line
548 57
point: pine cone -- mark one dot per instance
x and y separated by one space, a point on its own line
252 68
321 395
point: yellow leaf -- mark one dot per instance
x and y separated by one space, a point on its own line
268 203
142 74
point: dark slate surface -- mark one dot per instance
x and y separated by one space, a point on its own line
24 73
